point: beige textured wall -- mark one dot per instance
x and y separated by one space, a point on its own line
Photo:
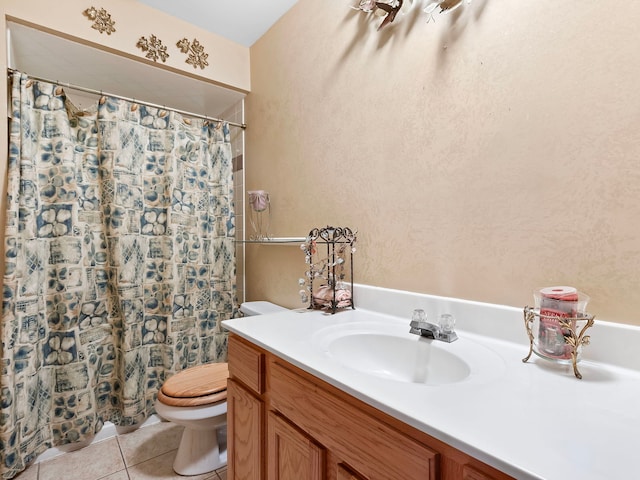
483 155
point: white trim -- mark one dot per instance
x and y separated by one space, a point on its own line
109 430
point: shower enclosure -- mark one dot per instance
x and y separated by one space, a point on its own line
60 342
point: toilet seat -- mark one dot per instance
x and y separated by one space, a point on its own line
196 386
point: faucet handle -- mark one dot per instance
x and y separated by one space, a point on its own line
420 326
418 320
447 322
419 315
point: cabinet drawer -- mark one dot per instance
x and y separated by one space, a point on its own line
359 439
246 364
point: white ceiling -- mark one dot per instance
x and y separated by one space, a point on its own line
242 21
51 57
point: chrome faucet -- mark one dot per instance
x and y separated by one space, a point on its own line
442 331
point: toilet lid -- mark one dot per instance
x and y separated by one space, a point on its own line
205 382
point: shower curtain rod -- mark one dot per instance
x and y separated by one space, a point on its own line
134 100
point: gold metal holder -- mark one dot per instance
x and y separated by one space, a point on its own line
573 329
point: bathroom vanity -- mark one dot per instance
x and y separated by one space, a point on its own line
284 423
355 396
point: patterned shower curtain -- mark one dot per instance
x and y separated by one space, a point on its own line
119 263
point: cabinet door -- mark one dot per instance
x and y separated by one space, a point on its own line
292 455
373 448
245 420
345 473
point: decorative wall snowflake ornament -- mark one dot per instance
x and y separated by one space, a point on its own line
101 20
197 57
154 48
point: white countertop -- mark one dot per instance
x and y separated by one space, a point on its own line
530 420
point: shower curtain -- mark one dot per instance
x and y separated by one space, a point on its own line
119 263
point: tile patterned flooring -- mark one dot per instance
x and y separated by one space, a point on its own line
146 453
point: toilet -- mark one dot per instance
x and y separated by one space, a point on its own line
196 398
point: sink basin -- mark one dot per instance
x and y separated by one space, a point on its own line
389 352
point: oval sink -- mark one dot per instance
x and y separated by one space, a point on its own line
398 358
385 351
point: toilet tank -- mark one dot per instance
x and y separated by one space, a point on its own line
249 309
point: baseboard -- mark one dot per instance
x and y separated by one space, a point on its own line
109 430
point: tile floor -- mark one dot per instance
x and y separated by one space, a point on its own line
146 453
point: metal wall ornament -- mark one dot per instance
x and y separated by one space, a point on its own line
154 48
101 20
197 57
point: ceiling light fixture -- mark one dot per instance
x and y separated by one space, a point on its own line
389 9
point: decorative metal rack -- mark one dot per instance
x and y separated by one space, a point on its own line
339 242
573 330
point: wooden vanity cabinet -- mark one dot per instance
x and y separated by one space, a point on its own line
246 411
285 424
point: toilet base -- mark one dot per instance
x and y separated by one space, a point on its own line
200 451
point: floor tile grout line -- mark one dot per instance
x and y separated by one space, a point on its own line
124 461
126 464
113 473
149 459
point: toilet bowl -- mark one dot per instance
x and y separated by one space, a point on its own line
196 398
